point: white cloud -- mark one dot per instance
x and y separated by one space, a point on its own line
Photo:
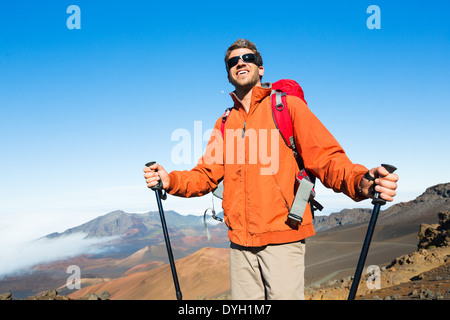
21 256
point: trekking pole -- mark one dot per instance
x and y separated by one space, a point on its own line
377 202
158 192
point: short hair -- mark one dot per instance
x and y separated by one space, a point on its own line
246 44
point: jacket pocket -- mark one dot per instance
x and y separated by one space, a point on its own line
268 207
232 195
288 206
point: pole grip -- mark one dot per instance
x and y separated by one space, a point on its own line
376 197
159 186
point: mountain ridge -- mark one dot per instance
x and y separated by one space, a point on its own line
343 217
120 223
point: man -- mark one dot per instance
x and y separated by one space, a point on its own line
267 254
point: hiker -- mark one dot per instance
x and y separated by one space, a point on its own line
267 253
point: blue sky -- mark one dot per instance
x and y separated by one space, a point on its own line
82 111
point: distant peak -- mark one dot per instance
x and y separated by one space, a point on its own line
435 192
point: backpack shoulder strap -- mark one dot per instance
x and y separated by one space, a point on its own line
281 116
224 119
305 192
283 122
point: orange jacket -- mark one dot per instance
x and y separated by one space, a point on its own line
257 192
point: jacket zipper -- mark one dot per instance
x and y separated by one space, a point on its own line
245 184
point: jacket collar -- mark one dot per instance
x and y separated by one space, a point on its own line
258 94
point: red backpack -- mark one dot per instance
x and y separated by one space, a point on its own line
283 122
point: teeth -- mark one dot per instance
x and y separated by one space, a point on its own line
242 72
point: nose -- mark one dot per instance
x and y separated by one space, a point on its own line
240 62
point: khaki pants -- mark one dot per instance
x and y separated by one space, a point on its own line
273 272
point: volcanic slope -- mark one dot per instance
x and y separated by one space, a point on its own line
202 275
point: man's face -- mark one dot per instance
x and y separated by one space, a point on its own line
244 75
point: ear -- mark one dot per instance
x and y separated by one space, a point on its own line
261 71
228 76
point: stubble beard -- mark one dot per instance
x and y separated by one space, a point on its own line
247 83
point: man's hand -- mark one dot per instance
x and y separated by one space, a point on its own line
154 173
385 184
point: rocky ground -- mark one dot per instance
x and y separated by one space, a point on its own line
423 274
54 295
431 285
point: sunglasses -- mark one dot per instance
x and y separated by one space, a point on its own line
247 58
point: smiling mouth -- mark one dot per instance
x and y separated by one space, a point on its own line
242 72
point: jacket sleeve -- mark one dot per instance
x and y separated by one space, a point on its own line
322 154
206 175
